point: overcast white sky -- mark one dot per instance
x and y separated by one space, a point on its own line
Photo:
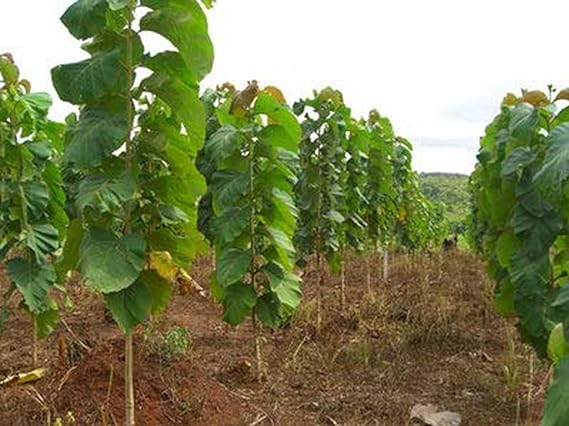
437 68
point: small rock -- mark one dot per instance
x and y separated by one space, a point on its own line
430 416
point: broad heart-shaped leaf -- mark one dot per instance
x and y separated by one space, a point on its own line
183 246
238 301
530 278
268 105
516 161
538 229
149 295
555 169
85 18
173 83
277 136
556 411
98 133
230 224
39 103
56 206
232 265
557 347
33 280
69 259
42 239
105 194
223 144
48 319
285 285
268 308
110 264
506 245
184 24
130 306
91 80
524 120
228 187
36 198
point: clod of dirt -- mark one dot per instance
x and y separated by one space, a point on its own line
430 416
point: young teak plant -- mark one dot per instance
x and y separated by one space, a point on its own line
319 191
132 150
380 211
32 219
354 178
521 226
249 213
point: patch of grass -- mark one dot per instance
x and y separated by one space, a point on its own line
174 344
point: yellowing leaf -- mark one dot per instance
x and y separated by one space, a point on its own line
22 378
329 94
510 100
276 93
227 86
163 264
243 100
187 284
535 97
563 95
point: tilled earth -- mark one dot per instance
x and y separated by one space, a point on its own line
429 335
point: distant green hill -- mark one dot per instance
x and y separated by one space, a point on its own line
452 190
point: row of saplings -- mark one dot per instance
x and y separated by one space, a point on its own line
120 193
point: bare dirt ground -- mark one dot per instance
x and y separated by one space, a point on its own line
428 335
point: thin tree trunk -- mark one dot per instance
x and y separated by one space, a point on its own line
342 284
34 341
368 275
385 265
257 341
319 292
129 380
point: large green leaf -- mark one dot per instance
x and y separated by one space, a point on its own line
91 80
267 104
183 247
286 285
230 224
524 121
42 239
516 161
171 83
223 144
130 306
47 320
538 232
85 18
38 103
69 258
36 197
238 301
268 309
506 245
110 263
184 24
98 133
105 194
228 187
232 265
555 169
530 278
33 281
556 412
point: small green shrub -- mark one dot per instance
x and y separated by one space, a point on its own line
174 344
